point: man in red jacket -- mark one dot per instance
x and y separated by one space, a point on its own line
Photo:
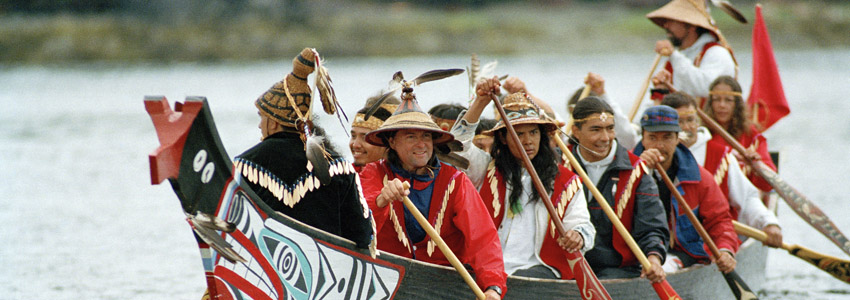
660 143
443 194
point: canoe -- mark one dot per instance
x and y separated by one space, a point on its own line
250 251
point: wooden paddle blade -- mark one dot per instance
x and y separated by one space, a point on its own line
836 267
588 284
739 287
730 10
453 159
665 291
805 208
435 75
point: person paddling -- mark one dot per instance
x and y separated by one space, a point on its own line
694 49
745 203
506 188
660 144
727 107
443 195
621 178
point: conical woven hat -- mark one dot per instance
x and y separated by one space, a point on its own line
520 110
409 116
274 102
692 12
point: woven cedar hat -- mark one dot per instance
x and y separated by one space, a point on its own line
692 12
521 110
409 116
274 103
384 111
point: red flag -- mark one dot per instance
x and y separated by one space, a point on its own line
766 93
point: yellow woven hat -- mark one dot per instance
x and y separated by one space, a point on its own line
521 110
692 12
384 111
409 115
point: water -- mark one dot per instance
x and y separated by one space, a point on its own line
83 222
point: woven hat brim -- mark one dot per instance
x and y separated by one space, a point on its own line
410 120
679 10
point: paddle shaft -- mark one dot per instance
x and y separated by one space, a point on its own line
585 91
663 288
736 283
435 236
639 99
801 205
586 280
838 268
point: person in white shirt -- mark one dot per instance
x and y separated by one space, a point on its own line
695 54
529 243
742 194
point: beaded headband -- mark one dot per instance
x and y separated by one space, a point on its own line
725 93
602 117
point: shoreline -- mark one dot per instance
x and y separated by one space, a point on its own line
394 30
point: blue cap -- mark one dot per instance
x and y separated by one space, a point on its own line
660 118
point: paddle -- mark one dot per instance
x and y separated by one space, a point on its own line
639 99
797 201
736 283
435 236
836 267
585 91
586 280
663 288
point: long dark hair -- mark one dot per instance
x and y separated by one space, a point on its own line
545 163
739 124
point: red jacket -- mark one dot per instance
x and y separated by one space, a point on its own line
752 140
708 203
565 187
456 212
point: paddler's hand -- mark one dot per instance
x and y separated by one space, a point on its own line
664 47
726 263
488 85
651 157
596 82
491 295
655 273
774 236
513 85
663 80
571 242
393 191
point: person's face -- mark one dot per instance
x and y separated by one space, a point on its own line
529 138
722 105
483 142
362 151
595 134
265 126
676 32
689 123
414 147
663 141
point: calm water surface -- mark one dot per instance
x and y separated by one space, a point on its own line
82 221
